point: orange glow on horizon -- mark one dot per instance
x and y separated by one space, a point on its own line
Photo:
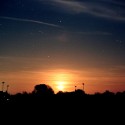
60 85
61 80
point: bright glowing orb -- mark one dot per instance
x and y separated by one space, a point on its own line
60 85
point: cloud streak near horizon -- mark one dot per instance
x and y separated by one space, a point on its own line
30 21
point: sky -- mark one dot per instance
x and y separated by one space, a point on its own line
62 43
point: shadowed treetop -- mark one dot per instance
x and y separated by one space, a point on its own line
43 89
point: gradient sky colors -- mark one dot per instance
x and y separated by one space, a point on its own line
63 42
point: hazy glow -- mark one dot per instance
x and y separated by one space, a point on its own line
60 85
63 80
60 79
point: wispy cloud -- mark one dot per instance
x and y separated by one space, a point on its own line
110 9
95 33
30 21
69 6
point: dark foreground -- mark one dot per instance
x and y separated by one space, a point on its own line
63 108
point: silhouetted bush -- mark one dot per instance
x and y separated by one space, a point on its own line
43 90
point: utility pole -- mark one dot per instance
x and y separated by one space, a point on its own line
75 88
7 88
3 86
83 86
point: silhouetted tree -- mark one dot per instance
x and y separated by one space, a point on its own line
108 93
43 89
80 92
59 93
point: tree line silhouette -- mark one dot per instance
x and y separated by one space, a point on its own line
44 92
42 104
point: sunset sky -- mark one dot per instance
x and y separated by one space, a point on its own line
62 43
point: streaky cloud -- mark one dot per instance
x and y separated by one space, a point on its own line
110 9
30 21
95 33
69 6
114 11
